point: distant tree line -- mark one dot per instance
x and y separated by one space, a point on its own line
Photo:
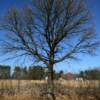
31 73
40 73
90 74
5 72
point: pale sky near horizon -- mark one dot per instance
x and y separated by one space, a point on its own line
87 62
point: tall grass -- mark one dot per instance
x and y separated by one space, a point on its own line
32 90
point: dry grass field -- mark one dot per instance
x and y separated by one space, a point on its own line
64 90
69 83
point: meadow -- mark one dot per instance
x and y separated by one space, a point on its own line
34 89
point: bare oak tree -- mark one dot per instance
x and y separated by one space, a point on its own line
50 31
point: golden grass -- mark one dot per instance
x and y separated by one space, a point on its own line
84 84
69 83
35 94
69 96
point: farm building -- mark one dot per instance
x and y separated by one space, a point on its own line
4 72
67 76
70 76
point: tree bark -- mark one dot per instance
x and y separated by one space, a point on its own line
51 81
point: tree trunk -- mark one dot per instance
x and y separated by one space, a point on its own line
51 81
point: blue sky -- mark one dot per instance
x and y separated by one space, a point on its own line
87 62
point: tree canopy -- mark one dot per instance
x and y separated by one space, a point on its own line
50 31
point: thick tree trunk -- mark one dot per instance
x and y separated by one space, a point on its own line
51 81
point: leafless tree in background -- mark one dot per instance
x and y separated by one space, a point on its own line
50 31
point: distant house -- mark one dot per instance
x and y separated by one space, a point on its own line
70 76
4 72
67 76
